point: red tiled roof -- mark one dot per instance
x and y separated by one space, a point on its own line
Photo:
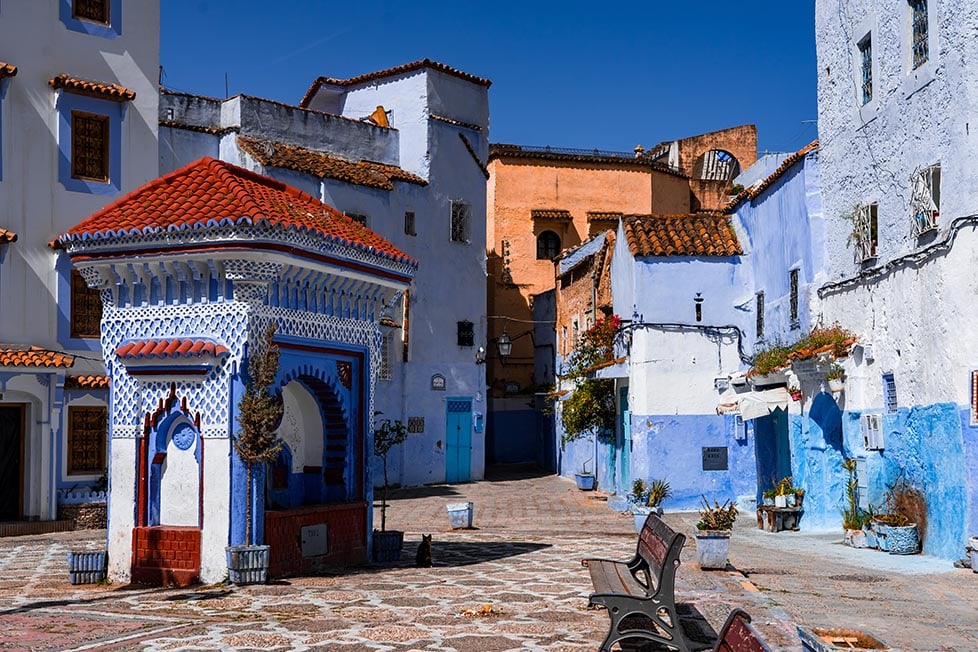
113 92
7 236
629 161
698 234
550 214
320 164
87 382
176 347
604 216
32 356
209 193
390 72
757 189
7 69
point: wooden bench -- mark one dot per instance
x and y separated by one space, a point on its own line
738 635
641 589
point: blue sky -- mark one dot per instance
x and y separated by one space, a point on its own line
564 73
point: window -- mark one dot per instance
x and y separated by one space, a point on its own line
889 393
793 297
466 334
872 429
925 199
96 11
759 326
386 369
460 222
409 228
89 146
86 308
548 245
864 233
359 218
87 433
918 42
866 59
974 398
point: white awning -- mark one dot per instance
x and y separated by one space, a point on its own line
618 370
752 405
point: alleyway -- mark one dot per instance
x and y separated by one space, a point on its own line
523 559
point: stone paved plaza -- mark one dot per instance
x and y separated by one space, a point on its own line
522 560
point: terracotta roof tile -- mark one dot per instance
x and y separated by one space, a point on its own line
697 234
604 216
32 356
390 72
551 214
755 190
7 236
621 159
209 193
7 70
87 382
176 347
320 164
113 92
214 131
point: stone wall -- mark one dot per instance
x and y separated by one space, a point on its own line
86 516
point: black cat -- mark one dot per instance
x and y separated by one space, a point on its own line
423 558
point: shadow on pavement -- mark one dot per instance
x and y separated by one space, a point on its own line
466 553
503 472
698 632
427 491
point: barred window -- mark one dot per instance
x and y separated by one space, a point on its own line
925 199
918 42
866 56
86 308
548 245
760 315
793 297
386 369
96 11
409 225
87 434
865 234
466 334
89 146
460 222
890 393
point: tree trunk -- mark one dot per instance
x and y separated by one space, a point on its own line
383 500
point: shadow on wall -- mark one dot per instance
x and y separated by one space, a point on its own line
826 413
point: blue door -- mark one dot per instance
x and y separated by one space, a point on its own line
625 430
458 444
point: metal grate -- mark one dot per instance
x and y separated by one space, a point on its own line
866 55
919 43
386 368
865 233
889 393
409 227
86 308
87 433
793 295
925 200
760 316
89 146
460 222
459 406
96 11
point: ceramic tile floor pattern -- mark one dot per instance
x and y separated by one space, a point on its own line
522 559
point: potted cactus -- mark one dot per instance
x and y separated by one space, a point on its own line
713 533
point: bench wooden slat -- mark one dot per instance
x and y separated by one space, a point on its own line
738 635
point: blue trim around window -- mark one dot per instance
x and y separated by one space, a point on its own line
112 30
115 111
63 268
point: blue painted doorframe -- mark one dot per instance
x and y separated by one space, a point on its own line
625 432
458 436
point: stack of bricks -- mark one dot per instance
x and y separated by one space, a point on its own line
166 555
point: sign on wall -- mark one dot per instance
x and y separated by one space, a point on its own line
415 424
438 383
714 458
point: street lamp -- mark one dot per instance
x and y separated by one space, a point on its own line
504 344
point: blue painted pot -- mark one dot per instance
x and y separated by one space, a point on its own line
585 481
87 567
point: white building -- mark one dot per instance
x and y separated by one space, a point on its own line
403 150
897 84
78 127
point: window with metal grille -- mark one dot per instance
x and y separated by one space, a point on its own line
889 393
86 308
759 326
793 297
925 199
87 434
409 228
865 233
460 222
386 371
89 146
548 245
974 398
466 333
96 11
866 60
918 42
359 218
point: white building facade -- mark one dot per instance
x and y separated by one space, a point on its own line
78 127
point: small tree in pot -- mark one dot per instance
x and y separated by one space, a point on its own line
259 413
387 435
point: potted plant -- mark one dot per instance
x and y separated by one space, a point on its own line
259 413
387 543
835 376
784 493
768 496
899 529
852 516
646 498
794 391
713 533
585 479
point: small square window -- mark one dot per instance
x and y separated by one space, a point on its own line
409 226
466 333
96 11
461 227
87 434
89 146
86 309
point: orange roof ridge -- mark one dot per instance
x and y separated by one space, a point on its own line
699 234
389 72
7 69
755 190
90 381
114 92
19 355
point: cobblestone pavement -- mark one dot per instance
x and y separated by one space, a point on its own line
522 559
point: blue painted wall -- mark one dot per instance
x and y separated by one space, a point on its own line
513 436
